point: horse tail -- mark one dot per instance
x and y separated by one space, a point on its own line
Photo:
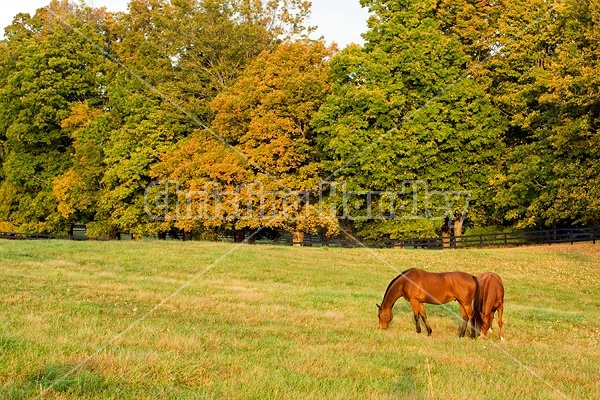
477 306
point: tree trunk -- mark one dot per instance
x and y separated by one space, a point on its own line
458 226
238 236
297 238
446 234
114 235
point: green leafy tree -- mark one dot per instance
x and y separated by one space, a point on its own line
402 111
551 177
78 189
47 70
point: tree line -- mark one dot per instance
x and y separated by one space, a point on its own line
222 117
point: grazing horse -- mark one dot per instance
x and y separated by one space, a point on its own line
418 287
489 300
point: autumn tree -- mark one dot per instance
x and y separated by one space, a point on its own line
268 114
200 189
272 162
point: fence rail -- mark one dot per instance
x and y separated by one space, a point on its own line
508 239
505 239
25 236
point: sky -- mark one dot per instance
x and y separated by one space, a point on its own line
340 21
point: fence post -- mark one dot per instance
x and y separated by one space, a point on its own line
571 235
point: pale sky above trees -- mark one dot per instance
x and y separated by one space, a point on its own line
340 21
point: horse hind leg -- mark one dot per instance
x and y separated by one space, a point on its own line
424 318
417 324
471 319
467 315
500 321
415 308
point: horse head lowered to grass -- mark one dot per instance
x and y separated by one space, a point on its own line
489 300
418 287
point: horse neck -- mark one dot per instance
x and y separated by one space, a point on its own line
393 294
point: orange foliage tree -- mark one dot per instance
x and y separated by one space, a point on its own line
265 167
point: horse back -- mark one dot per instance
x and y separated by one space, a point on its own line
440 288
491 291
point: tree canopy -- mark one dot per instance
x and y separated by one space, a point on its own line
452 114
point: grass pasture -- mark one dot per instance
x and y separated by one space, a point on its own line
165 320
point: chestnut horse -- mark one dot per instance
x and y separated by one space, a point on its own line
418 287
489 300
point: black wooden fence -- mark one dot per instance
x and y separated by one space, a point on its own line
505 239
25 236
508 239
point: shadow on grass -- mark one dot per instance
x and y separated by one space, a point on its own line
55 377
409 385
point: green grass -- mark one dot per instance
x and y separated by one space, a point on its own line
208 320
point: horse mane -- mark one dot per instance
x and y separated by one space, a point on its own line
394 280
